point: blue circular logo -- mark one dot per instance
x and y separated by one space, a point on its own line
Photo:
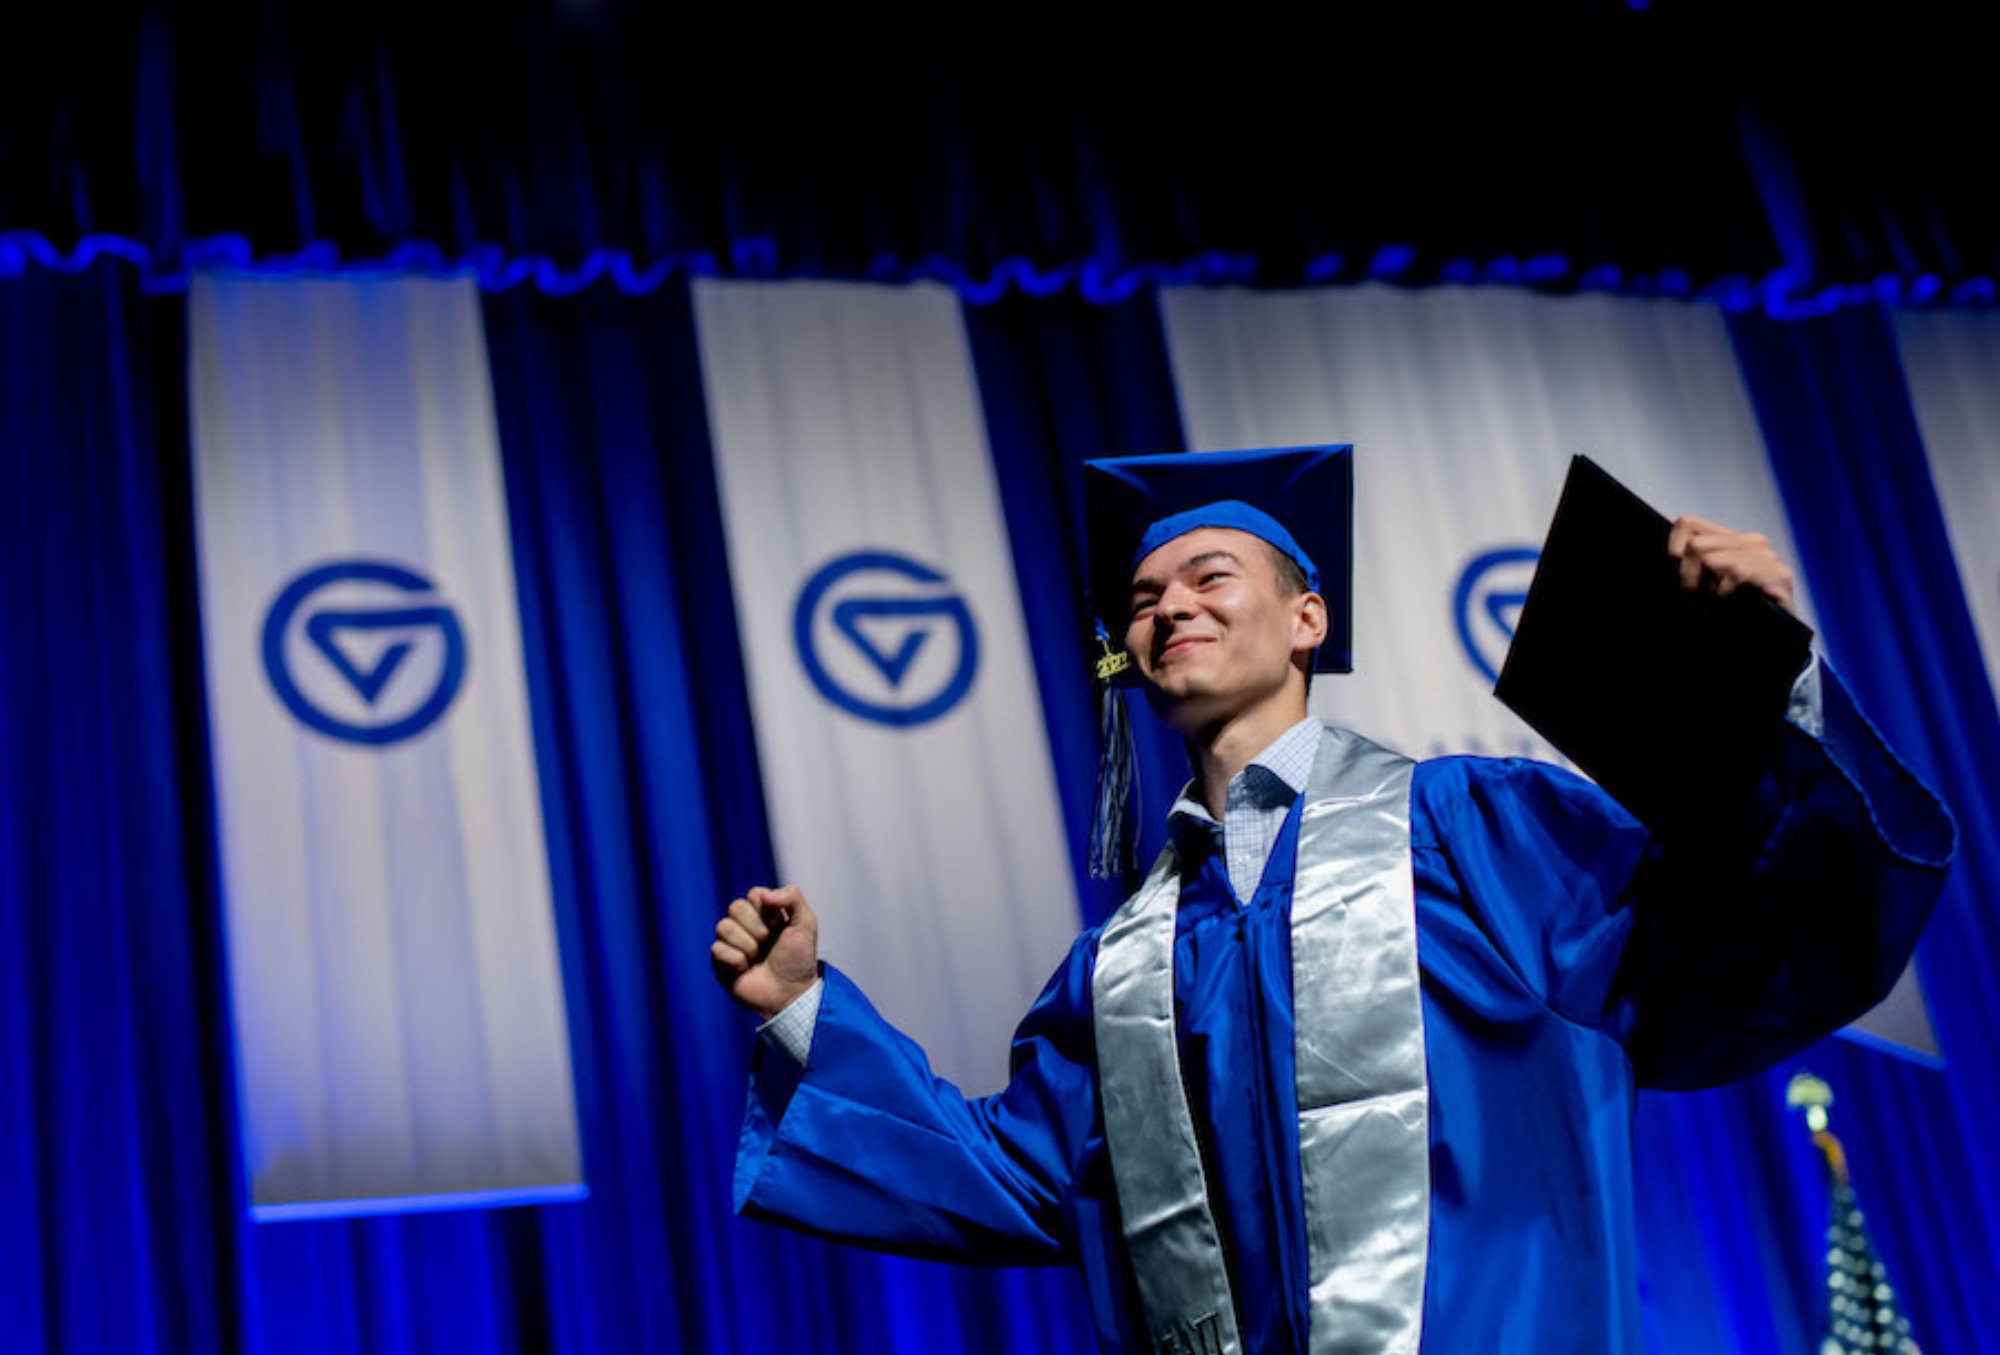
1491 589
885 638
363 651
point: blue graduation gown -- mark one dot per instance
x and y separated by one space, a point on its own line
1568 959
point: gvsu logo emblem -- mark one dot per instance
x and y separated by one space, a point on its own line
1491 589
886 638
362 650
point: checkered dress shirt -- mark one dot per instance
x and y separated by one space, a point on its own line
1253 811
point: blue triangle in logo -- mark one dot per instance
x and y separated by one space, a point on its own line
892 662
1505 609
324 629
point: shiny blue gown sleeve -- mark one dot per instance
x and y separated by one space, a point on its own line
1708 962
866 1145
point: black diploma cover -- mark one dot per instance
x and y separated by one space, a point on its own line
1670 700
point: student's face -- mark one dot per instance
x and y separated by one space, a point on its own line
1211 630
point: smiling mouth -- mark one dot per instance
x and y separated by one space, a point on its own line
1185 642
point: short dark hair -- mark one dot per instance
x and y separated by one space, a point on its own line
1291 583
1291 579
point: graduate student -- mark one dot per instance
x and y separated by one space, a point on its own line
1353 1070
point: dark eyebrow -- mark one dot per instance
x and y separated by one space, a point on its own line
1154 585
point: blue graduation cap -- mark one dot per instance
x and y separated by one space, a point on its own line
1299 499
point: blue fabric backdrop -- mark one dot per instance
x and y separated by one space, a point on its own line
1063 381
1836 416
121 1220
117 1187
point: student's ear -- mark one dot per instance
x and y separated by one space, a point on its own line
1309 629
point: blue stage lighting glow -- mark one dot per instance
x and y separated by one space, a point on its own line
418 1204
1784 293
1326 267
1392 261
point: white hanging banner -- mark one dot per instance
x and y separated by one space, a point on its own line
1465 406
1951 362
905 762
400 1031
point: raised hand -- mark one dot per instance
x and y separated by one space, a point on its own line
766 949
1717 560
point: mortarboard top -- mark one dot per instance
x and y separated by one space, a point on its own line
1300 499
1671 700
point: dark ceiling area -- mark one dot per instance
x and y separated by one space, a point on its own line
1669 149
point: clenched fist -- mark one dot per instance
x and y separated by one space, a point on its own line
766 949
1717 560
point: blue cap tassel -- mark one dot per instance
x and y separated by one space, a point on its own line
1111 821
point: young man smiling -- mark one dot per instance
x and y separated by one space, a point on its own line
1353 1069
1222 629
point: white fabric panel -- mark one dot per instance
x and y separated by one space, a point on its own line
1951 361
400 1030
908 779
1464 406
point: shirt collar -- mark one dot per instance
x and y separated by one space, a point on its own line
1275 776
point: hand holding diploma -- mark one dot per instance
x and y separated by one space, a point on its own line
1658 656
1715 559
766 949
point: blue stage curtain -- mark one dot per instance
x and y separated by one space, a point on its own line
1062 382
117 1189
1836 416
1662 150
121 1211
